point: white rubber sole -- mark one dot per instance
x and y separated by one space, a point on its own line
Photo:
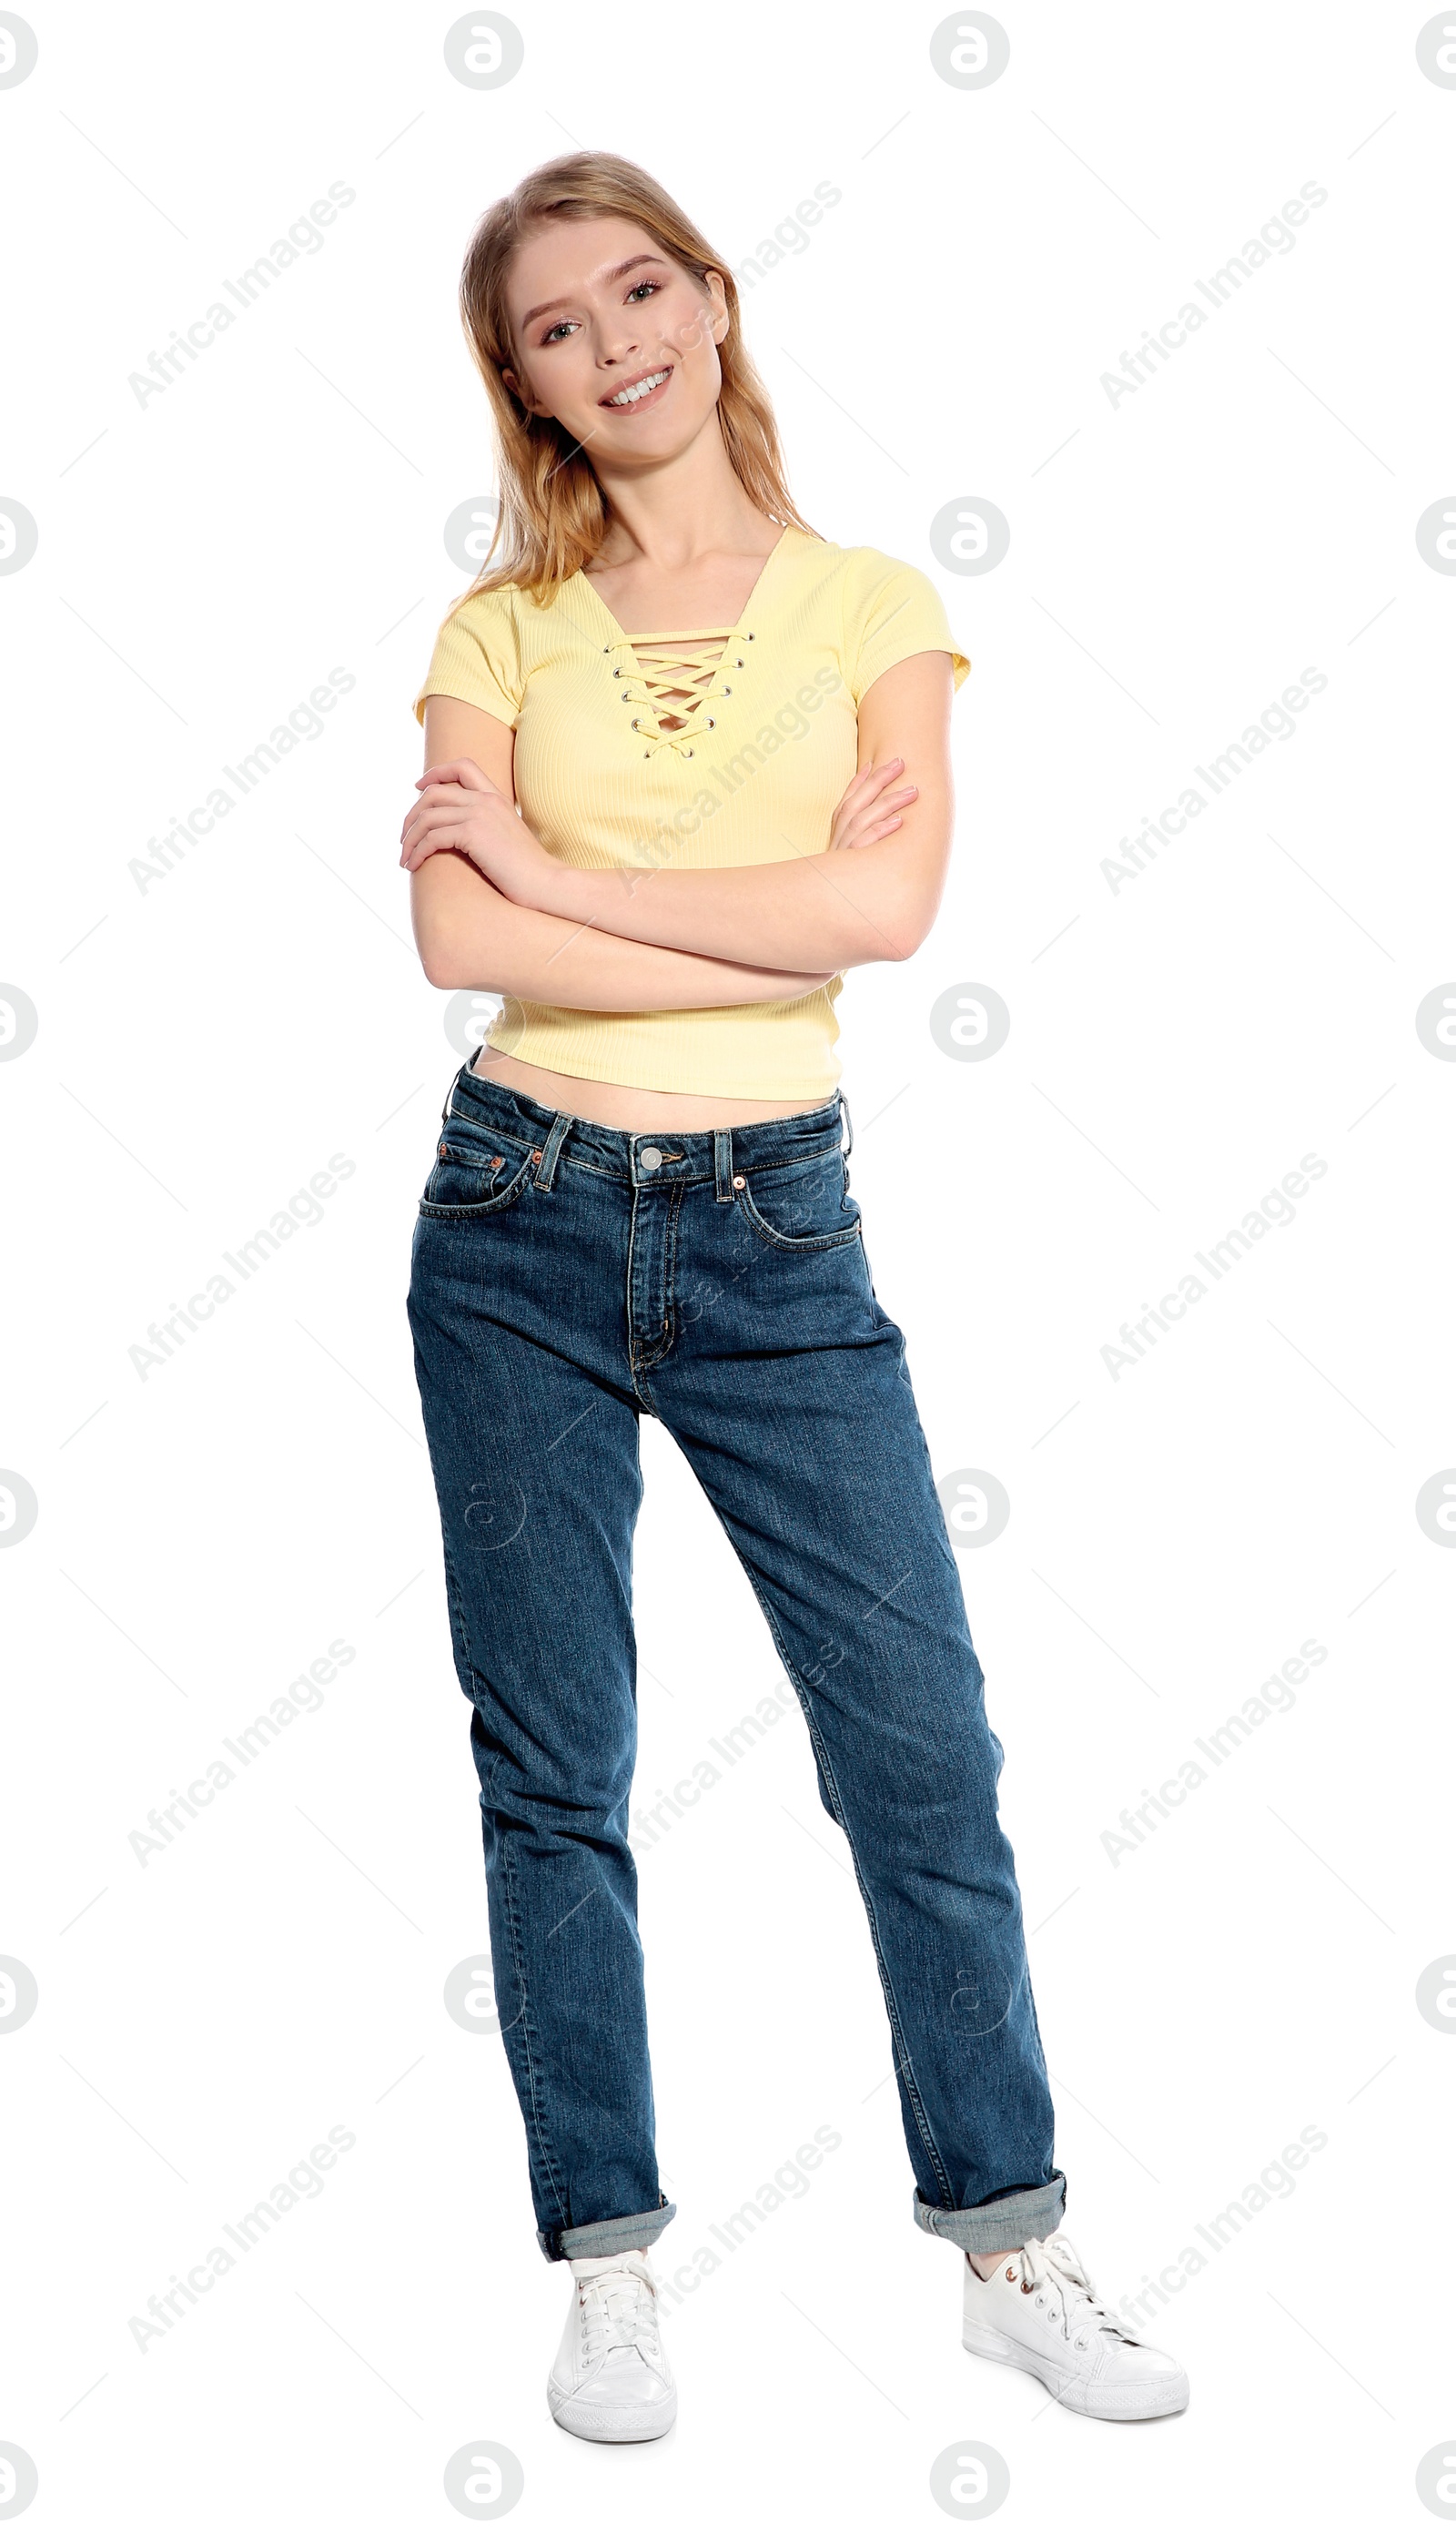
1158 2397
612 2423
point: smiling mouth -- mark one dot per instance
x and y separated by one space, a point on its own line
645 390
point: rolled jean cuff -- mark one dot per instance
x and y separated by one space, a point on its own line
1021 2216
609 2234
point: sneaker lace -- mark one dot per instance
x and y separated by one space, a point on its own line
1053 2272
619 2309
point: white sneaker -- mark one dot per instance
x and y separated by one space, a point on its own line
1039 2309
611 2380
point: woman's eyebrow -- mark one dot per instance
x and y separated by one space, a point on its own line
615 275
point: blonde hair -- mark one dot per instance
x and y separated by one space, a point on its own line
553 514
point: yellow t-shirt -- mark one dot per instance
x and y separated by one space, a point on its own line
767 743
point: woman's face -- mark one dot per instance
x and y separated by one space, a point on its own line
596 310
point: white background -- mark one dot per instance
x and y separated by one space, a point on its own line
206 1044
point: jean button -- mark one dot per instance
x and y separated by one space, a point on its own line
650 1157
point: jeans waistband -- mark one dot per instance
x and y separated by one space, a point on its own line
648 1155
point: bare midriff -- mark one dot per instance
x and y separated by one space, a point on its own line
633 1111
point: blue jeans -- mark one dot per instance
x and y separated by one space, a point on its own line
567 1279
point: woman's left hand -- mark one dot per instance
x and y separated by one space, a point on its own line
461 810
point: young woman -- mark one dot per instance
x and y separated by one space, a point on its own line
686 762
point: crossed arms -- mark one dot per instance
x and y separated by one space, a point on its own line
494 911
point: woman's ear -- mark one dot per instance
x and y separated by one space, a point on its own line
718 298
522 394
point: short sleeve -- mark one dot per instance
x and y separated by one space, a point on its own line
891 611
477 659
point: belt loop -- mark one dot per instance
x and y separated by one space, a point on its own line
723 1165
547 1167
848 1147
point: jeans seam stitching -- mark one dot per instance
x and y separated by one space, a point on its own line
644 1358
507 1876
906 2066
670 1273
538 2114
635 1365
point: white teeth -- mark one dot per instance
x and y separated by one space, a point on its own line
644 387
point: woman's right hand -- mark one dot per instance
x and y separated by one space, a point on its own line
868 812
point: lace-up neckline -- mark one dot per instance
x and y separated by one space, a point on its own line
673 684
669 682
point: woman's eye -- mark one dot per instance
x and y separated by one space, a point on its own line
555 332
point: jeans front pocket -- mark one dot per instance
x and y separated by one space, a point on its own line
805 1205
469 1177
